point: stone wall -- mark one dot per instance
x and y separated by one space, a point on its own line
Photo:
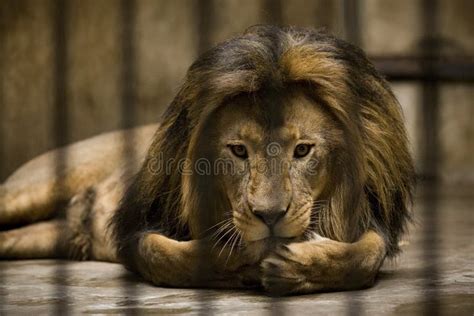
167 36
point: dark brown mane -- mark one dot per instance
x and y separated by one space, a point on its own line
375 184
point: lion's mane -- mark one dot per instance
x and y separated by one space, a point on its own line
375 174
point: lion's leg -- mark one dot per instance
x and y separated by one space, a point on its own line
29 198
20 205
324 264
168 262
40 240
78 234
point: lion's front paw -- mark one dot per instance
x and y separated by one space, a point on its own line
285 272
312 266
307 267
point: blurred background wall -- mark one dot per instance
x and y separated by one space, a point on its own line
107 64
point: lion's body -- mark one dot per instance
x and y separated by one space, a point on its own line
325 220
74 202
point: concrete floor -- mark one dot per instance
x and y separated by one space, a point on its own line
418 282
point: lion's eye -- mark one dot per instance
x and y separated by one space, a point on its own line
302 150
239 150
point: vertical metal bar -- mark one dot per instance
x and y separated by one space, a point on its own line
128 117
351 29
273 12
430 154
351 20
128 11
3 156
205 22
3 40
60 129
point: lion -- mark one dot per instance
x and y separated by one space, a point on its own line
282 164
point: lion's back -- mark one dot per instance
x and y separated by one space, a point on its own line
32 192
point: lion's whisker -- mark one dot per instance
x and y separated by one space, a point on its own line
219 223
222 230
220 236
232 228
230 238
298 215
237 237
224 226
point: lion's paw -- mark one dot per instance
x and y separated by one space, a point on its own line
283 273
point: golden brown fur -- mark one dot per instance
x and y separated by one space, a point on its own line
81 197
269 86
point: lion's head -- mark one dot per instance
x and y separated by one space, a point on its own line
266 157
275 134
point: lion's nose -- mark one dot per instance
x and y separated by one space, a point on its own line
269 217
